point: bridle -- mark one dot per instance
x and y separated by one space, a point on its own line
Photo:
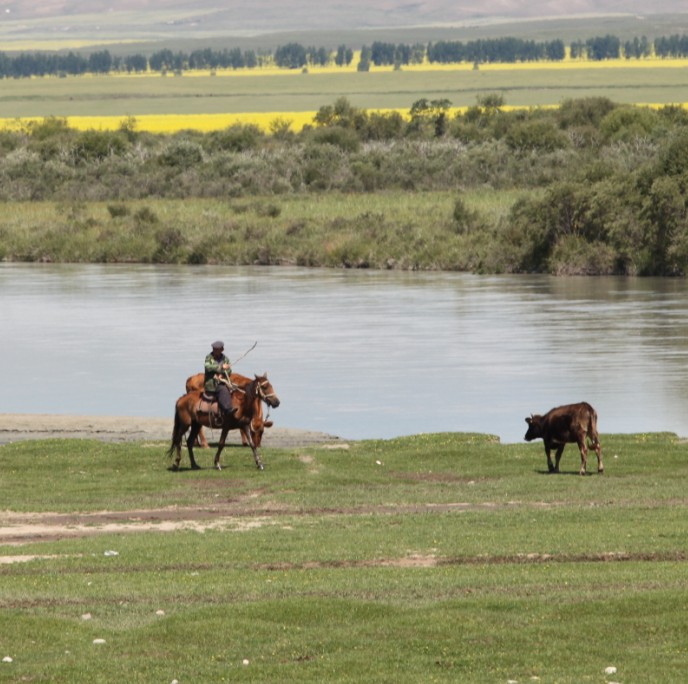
265 396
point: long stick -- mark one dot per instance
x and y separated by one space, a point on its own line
246 353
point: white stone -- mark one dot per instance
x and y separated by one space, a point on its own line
99 641
245 661
7 659
610 670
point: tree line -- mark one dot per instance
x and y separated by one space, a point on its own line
297 56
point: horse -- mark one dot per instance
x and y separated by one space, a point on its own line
256 426
189 413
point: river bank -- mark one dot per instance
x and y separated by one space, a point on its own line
16 427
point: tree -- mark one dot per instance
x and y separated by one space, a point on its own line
344 56
291 56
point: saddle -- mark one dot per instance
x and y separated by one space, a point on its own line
209 405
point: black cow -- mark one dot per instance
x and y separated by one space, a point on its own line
564 424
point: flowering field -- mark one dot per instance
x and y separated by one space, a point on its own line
203 101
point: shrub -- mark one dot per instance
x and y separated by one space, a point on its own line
236 138
343 138
628 123
118 210
183 154
97 145
587 111
536 135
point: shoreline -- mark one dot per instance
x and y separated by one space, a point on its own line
15 427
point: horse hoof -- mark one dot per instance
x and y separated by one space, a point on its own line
218 466
195 467
261 467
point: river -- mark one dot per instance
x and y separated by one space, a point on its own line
360 354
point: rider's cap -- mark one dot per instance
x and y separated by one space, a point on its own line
218 345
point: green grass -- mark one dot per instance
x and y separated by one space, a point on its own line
107 95
445 558
320 230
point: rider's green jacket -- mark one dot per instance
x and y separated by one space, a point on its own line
212 368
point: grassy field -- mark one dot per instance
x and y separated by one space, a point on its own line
229 97
442 558
327 229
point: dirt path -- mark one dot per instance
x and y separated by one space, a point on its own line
21 426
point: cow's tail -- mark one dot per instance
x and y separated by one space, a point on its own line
592 427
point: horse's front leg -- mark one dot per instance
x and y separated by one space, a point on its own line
254 449
220 447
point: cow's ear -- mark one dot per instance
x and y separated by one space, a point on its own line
529 420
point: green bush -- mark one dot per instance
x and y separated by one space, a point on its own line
181 153
535 136
237 138
97 145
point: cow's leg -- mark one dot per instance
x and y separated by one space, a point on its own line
598 450
190 441
560 451
550 465
584 456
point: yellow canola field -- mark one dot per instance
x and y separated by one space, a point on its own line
206 123
267 121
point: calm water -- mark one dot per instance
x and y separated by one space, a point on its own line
355 353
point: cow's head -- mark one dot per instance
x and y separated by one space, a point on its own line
534 428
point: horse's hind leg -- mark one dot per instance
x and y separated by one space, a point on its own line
220 447
190 441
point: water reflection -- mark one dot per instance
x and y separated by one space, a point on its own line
356 353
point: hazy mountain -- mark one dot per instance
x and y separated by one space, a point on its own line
231 17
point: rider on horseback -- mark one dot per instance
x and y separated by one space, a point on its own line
217 371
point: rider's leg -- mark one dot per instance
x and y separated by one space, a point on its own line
224 398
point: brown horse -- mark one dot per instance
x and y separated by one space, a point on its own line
195 383
189 413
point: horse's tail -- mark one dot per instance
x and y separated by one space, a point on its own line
176 434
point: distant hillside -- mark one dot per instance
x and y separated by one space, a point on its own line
230 16
153 21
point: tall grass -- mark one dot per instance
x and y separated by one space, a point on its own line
382 230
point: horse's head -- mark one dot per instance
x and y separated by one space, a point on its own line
266 391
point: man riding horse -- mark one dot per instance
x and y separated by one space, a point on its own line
217 371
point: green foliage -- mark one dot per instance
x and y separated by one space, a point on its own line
629 123
536 136
181 153
604 186
236 138
98 145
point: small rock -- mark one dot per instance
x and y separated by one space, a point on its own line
86 616
610 670
160 612
111 553
7 659
99 641
245 661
